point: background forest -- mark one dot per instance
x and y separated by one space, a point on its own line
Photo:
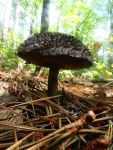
89 20
74 111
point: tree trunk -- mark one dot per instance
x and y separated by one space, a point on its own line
16 12
5 20
44 20
45 16
34 16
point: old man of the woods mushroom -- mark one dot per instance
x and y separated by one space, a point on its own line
55 51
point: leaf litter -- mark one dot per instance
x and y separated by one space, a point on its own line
80 117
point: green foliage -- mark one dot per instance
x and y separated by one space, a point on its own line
8 58
65 74
78 18
99 71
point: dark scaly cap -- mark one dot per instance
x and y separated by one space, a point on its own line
55 49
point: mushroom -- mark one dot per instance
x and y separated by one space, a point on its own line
56 51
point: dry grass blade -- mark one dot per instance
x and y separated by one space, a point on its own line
42 143
26 127
110 131
92 131
61 137
61 109
68 129
103 118
13 112
14 146
36 101
70 140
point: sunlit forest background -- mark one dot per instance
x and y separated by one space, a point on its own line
91 21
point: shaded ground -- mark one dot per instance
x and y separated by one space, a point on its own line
31 120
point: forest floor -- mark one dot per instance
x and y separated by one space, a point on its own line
80 117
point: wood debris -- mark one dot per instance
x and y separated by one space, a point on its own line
80 117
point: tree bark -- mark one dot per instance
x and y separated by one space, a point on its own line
44 20
16 11
45 16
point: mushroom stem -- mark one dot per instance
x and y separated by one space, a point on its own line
53 81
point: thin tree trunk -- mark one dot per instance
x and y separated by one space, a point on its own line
34 13
44 21
15 22
5 20
45 16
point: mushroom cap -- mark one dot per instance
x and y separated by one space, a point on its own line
55 50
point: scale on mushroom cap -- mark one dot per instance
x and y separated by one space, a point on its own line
56 51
